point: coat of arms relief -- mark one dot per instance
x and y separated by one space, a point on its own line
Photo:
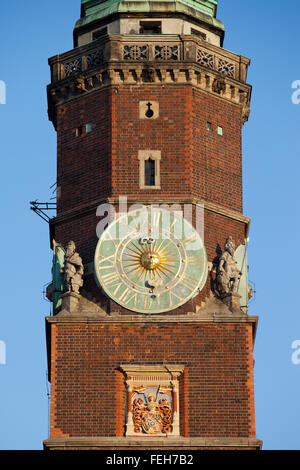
152 410
152 400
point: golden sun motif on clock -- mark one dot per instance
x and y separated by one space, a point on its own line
150 259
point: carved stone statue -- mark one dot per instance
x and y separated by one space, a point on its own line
228 274
73 269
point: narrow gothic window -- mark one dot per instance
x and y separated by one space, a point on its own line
149 169
150 172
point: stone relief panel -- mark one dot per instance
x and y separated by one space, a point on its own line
152 399
152 410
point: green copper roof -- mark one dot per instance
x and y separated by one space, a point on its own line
203 10
209 7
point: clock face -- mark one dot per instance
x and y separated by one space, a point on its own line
150 261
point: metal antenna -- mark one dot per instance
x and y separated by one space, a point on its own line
40 207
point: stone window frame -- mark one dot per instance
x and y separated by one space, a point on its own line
154 155
152 376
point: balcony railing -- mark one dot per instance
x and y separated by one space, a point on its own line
160 49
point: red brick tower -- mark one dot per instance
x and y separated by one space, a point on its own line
150 344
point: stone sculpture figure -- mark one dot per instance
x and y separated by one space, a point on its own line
73 269
228 274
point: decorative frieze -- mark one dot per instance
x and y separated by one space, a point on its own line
123 74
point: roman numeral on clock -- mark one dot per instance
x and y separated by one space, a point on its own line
111 278
190 282
109 259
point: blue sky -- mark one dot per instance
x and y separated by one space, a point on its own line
265 31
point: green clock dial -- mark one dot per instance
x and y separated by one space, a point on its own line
150 261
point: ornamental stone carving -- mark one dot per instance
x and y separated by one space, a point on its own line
166 52
73 269
152 399
73 67
135 52
228 274
150 414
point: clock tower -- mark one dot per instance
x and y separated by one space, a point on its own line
150 344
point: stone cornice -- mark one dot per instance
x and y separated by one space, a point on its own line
136 369
164 443
115 319
209 206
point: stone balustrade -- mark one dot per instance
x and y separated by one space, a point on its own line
152 50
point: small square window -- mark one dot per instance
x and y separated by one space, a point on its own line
150 27
99 33
88 127
220 130
209 126
200 34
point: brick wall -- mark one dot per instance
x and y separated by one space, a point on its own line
84 162
194 161
88 396
216 159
